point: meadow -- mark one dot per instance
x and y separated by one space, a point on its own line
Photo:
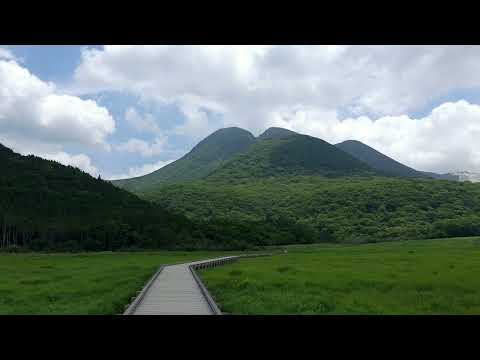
84 283
403 277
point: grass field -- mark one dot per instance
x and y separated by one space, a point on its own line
407 277
95 283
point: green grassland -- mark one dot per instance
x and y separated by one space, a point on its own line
405 277
87 283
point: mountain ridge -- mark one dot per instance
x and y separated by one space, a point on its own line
273 132
290 155
46 205
213 155
206 156
377 160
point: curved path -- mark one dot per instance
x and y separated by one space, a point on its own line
177 290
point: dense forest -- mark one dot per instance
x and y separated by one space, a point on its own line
303 209
233 191
290 188
47 206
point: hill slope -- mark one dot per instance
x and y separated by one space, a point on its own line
276 132
377 160
205 157
385 164
45 205
293 154
302 209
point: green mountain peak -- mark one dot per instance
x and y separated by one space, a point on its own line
290 156
209 154
275 132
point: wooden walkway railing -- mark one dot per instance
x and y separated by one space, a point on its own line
178 290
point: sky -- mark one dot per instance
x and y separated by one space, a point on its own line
125 111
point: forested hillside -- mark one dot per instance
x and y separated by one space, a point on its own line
48 206
292 188
377 160
233 154
205 157
301 209
290 155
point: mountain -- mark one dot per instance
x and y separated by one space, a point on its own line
286 188
276 132
45 205
385 164
235 153
290 154
209 154
377 160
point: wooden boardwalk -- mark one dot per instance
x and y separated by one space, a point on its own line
176 290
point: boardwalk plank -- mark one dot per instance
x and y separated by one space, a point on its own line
175 292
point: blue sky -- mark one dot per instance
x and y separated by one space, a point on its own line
57 64
123 111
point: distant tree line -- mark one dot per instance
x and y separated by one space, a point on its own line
305 209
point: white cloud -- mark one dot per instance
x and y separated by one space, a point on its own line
6 54
306 88
255 86
181 68
142 147
246 82
32 109
141 170
445 140
196 79
139 123
197 124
